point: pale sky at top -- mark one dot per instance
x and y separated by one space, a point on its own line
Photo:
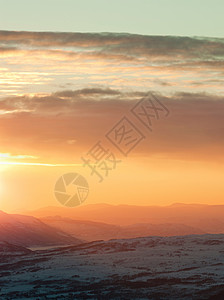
151 17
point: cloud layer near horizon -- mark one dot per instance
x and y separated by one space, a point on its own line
71 121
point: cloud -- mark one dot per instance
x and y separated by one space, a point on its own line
132 45
106 74
194 129
88 91
167 63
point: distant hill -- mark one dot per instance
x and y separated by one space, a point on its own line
207 218
29 231
91 231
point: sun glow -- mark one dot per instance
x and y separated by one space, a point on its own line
7 159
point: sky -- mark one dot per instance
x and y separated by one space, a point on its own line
160 17
67 81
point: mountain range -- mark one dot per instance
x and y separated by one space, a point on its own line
92 231
207 218
54 226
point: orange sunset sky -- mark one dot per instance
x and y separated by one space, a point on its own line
62 92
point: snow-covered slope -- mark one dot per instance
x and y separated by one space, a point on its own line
189 267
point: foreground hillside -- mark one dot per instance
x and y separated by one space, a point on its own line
190 267
29 231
